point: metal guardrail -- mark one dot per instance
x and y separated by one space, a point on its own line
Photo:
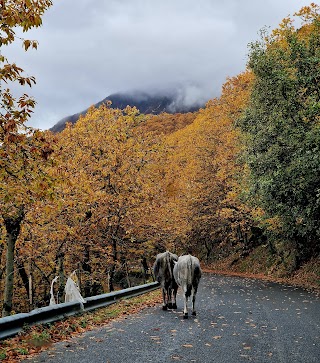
12 325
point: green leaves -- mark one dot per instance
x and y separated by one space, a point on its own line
282 131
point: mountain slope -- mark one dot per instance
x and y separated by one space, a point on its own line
171 102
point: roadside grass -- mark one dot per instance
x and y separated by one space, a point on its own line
37 338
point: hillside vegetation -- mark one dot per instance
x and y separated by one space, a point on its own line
162 102
236 183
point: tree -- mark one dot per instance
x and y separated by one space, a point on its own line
217 211
102 162
25 15
21 148
200 209
282 132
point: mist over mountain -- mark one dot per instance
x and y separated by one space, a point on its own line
180 100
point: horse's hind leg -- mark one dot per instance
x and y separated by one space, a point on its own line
164 304
194 293
185 309
174 303
169 298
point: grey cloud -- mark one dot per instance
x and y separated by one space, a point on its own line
90 49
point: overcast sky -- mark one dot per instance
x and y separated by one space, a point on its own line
89 49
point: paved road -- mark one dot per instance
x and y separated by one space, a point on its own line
239 320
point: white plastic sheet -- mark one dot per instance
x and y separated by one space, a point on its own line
72 290
52 299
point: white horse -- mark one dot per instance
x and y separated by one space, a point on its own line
187 273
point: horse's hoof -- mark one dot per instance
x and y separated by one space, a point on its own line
194 313
174 306
185 316
164 307
170 306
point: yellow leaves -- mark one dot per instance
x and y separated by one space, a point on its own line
226 213
172 189
258 213
199 183
106 160
274 223
281 35
309 13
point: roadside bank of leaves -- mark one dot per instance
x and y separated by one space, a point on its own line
35 339
256 266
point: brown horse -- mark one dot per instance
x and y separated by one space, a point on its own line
163 273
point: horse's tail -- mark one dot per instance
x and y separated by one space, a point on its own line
168 263
189 276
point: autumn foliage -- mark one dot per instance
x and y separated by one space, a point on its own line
108 193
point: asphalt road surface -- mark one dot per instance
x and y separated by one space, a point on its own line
238 320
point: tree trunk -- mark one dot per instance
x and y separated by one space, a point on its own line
24 277
30 278
86 267
12 225
113 267
145 269
127 274
62 279
1 268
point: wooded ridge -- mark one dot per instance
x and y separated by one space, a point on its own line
169 101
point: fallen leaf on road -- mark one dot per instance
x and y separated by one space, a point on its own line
155 338
176 357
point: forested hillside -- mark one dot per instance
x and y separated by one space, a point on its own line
162 102
236 183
